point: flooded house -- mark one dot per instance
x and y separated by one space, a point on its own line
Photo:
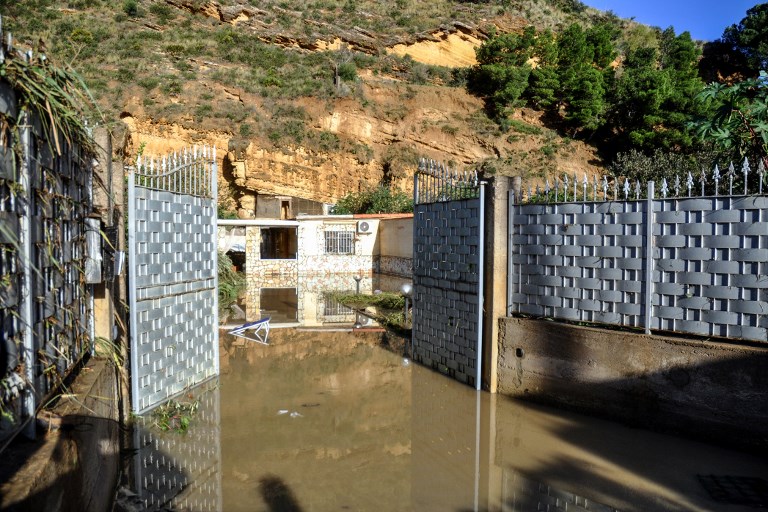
289 264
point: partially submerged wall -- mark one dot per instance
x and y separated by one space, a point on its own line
446 287
396 246
704 389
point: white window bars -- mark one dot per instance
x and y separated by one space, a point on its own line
339 242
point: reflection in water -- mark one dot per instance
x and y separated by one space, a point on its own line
300 300
325 412
323 421
181 471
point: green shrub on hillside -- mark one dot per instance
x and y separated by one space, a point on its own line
377 200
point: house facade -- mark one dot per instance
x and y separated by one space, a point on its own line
295 262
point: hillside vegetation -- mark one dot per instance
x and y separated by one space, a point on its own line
555 87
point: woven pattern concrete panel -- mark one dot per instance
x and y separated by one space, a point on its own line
166 464
446 286
712 266
579 261
587 262
45 303
173 276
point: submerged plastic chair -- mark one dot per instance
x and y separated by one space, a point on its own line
257 331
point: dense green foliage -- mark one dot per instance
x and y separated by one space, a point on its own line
739 126
656 96
647 110
644 104
653 166
231 282
376 200
742 51
54 94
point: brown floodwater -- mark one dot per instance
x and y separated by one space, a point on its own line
335 420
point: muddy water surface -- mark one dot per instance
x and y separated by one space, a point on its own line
330 421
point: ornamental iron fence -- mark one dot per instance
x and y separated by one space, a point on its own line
696 264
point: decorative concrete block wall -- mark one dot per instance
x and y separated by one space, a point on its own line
690 265
173 282
45 302
446 287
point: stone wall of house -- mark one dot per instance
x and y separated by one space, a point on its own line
313 258
396 265
261 273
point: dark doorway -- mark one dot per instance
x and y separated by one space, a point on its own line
278 243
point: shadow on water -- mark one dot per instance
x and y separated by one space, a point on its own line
277 495
662 456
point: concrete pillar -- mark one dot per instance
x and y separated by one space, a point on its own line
495 274
253 273
516 184
111 296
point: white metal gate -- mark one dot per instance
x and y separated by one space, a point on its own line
173 278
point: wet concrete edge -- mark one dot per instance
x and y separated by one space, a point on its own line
73 463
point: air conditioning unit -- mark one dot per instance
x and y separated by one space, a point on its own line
363 227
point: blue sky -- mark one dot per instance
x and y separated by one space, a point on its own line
704 19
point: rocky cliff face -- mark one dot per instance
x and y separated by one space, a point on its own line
379 125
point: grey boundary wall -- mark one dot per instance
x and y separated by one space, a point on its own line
446 287
690 265
713 391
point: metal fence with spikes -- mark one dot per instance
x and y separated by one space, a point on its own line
173 283
571 189
188 172
436 182
694 260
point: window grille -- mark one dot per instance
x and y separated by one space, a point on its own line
333 308
339 242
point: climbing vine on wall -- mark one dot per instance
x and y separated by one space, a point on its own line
46 181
